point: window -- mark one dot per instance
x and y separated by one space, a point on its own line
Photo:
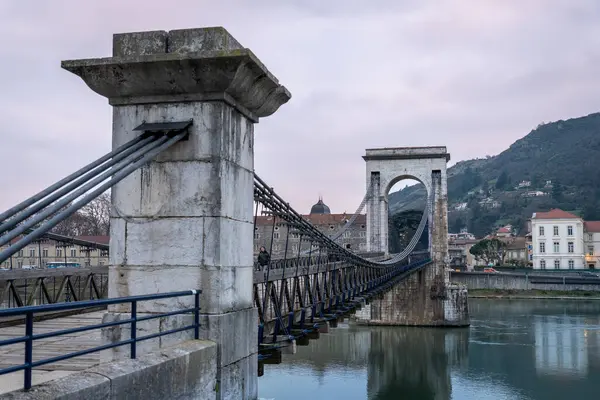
31 252
331 227
295 235
44 252
555 230
257 236
104 253
570 230
348 246
275 235
542 247
557 247
275 247
276 228
571 264
541 231
362 234
58 252
87 263
556 264
20 253
542 264
347 234
571 247
101 263
362 227
590 236
73 253
590 250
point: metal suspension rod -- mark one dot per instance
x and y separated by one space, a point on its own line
271 200
64 181
12 222
123 173
349 223
81 190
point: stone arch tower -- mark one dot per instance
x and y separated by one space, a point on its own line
387 166
426 298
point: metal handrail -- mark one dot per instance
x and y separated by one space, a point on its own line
29 337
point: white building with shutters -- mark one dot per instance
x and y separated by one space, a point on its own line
558 240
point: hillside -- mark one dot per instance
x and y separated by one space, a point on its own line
555 165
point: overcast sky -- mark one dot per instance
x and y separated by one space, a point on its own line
473 75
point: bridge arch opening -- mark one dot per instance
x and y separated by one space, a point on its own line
406 198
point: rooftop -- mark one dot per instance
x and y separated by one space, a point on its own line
555 213
592 226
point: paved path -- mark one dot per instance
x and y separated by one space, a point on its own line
51 347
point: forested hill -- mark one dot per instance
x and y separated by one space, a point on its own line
555 165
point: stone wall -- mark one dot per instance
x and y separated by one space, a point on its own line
187 372
482 280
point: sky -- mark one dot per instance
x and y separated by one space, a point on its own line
471 75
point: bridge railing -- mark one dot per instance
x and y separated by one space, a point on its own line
19 288
29 337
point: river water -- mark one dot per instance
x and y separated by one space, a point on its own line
514 350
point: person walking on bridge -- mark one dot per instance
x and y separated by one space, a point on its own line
263 257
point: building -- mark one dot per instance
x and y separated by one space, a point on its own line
40 253
459 252
592 243
516 252
462 235
505 232
561 240
354 238
529 245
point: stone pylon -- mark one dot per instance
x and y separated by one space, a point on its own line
185 220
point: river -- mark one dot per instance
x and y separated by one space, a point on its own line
514 350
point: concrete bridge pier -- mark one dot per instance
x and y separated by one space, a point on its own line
185 221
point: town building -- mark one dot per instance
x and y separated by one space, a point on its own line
515 252
505 232
39 253
459 252
562 240
462 235
287 242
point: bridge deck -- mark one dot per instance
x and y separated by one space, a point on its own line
51 347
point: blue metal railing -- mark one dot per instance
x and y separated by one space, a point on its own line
29 337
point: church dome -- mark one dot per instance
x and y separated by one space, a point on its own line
320 208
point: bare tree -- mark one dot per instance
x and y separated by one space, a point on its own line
96 215
91 220
70 226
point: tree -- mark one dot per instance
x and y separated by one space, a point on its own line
488 250
96 216
91 220
485 186
556 191
502 180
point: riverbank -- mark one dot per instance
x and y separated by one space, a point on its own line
532 294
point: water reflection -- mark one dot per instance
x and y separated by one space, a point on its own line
514 350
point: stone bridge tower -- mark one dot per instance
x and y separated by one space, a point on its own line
426 297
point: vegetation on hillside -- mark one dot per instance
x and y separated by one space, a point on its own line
401 229
560 160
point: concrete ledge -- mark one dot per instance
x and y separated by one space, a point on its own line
185 371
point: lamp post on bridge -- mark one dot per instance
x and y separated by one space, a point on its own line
185 220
